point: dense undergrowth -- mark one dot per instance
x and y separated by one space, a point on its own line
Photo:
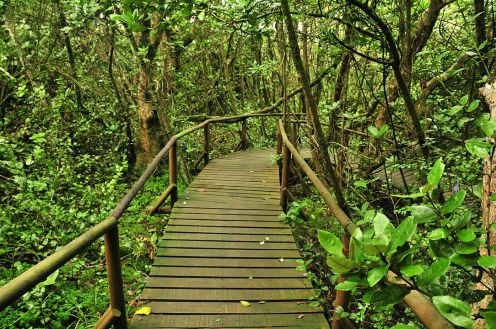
77 294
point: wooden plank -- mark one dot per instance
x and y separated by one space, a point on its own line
240 194
230 307
228 230
256 212
182 294
230 321
184 214
227 253
237 178
205 272
214 195
225 262
244 189
228 283
227 223
227 237
221 205
227 244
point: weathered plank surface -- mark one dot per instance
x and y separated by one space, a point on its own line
225 243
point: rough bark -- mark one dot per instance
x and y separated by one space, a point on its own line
488 206
150 136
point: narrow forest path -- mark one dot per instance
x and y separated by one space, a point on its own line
226 245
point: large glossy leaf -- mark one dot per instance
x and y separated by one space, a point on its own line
346 285
401 234
389 295
455 310
463 260
438 234
467 248
376 274
453 202
479 147
434 176
423 214
433 272
487 261
466 235
381 222
490 317
341 265
441 248
412 269
331 243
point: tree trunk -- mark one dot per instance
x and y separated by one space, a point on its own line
150 137
488 206
72 60
329 173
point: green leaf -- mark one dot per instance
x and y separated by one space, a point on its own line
438 234
490 317
423 214
376 274
473 105
433 272
453 202
434 176
383 130
412 269
373 131
466 235
346 285
331 243
389 295
455 310
489 127
463 100
455 109
487 261
401 234
381 222
50 280
479 147
341 265
463 260
410 196
467 248
441 248
403 326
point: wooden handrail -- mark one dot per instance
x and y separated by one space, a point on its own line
419 304
116 314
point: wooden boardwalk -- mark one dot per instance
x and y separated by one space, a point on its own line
224 244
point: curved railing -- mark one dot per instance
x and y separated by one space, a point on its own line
108 228
419 304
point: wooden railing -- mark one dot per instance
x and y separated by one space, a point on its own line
108 228
419 304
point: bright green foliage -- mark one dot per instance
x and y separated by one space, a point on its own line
377 247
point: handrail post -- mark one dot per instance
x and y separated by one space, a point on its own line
114 273
244 133
279 152
286 157
173 172
206 150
